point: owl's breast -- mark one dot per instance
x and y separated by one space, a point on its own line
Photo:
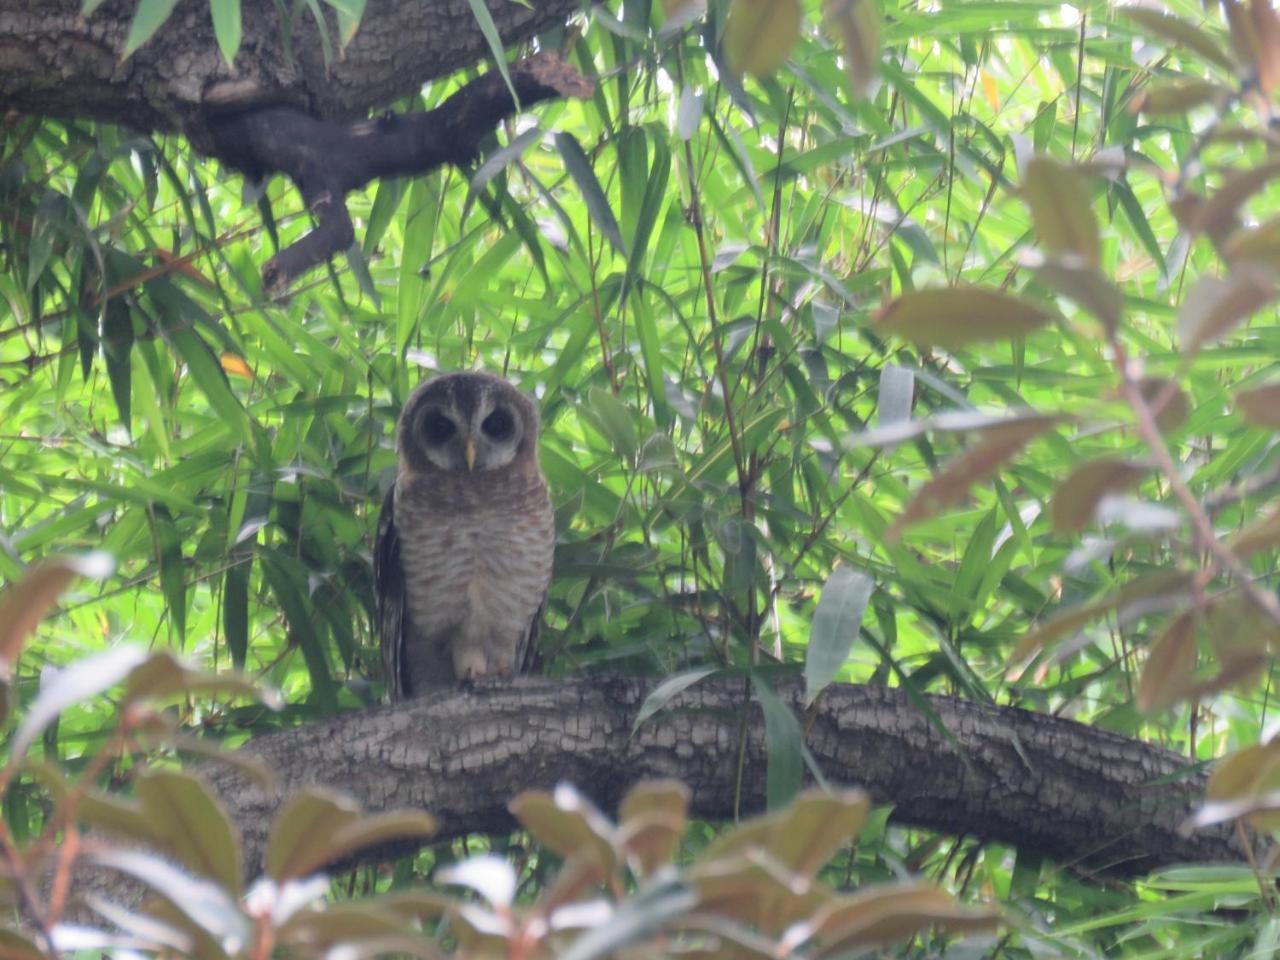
476 562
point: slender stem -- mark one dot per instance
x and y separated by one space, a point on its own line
1201 525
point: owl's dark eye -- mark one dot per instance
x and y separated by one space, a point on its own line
498 425
438 428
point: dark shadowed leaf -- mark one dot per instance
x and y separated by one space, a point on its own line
951 318
835 626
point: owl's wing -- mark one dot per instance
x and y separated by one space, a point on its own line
388 585
528 656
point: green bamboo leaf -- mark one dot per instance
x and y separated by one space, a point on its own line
491 36
291 595
784 746
169 560
235 612
668 690
579 167
148 17
836 622
227 28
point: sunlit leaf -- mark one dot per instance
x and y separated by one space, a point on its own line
71 685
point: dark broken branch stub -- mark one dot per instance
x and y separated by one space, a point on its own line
328 159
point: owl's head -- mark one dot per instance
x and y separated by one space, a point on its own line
467 422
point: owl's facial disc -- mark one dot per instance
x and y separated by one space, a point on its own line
495 435
441 439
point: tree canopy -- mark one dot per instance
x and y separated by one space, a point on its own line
920 346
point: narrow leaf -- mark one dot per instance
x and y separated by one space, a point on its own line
667 691
148 17
579 168
784 746
836 622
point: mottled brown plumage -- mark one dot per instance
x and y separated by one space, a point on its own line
466 536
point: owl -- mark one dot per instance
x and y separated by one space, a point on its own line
465 539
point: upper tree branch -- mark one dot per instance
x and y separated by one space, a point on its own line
1082 795
327 159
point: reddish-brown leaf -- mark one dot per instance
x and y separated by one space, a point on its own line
996 446
1169 672
1261 405
953 317
1061 210
1077 496
1216 305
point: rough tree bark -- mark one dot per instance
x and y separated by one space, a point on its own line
55 62
1084 796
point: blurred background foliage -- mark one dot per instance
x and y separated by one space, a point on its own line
686 270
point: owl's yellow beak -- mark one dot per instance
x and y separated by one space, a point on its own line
469 451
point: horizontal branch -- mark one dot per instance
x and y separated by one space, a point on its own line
327 159
1081 795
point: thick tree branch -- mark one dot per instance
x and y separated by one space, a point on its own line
1082 795
327 159
54 61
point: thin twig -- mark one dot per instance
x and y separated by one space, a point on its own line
1201 525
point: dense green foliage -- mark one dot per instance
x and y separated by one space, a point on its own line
715 288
